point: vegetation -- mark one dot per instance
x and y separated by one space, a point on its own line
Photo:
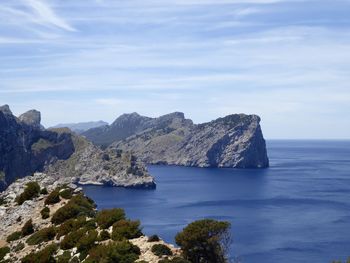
28 228
43 235
70 226
53 197
126 229
161 250
65 257
3 252
78 205
45 212
122 251
174 260
31 191
104 235
66 193
44 191
106 218
19 247
14 236
45 255
41 145
153 238
205 241
71 239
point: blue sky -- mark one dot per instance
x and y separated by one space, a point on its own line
81 60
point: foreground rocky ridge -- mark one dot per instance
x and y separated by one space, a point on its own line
71 230
26 147
233 141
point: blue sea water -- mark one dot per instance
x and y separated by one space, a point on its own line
298 210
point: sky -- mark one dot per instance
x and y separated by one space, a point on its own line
287 61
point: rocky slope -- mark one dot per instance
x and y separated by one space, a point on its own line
71 230
26 147
233 141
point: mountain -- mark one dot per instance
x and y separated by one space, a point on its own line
81 126
233 141
26 147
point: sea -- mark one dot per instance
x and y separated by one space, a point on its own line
297 210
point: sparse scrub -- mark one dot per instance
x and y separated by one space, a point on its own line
28 228
31 191
14 236
53 197
161 250
45 212
43 235
126 229
45 255
106 218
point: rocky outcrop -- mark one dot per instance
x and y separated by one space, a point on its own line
26 147
233 141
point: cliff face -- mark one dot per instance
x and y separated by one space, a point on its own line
233 141
26 147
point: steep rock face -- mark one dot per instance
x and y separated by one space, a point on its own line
25 148
233 141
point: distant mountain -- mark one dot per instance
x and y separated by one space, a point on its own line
233 141
26 147
81 126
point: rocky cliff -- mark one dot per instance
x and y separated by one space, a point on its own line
233 141
26 147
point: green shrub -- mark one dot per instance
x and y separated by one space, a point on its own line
71 239
174 260
45 255
205 241
43 235
14 236
104 235
2 201
70 226
45 212
31 191
67 193
161 250
19 247
28 228
123 251
3 252
65 257
78 205
126 229
153 238
53 197
106 218
44 191
87 241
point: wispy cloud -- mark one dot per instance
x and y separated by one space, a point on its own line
45 15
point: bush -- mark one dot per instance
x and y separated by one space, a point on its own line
123 251
28 228
45 255
45 212
161 250
44 191
65 257
153 238
174 260
19 247
67 193
71 239
3 252
104 235
106 218
70 226
43 235
87 241
14 236
53 197
126 229
78 205
31 191
205 241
